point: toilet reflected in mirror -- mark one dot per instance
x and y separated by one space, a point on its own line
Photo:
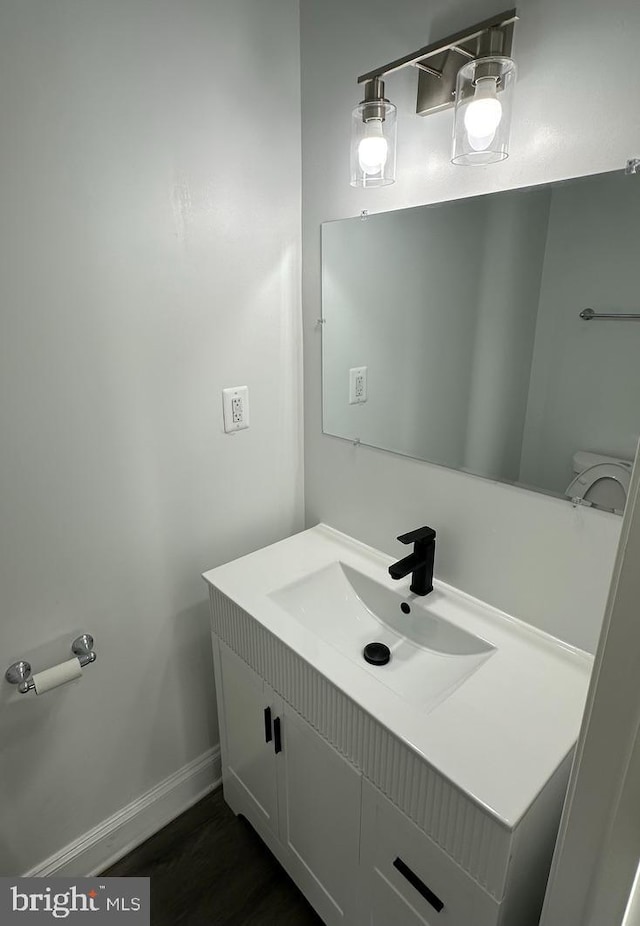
600 481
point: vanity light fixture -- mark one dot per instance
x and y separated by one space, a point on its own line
471 70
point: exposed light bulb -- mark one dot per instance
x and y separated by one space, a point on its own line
483 114
480 142
373 149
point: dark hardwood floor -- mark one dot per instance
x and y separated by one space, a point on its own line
209 868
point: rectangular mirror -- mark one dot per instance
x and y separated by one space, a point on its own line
453 333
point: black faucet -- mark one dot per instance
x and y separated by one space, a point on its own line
419 563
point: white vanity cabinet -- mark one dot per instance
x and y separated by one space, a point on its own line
300 795
355 856
385 807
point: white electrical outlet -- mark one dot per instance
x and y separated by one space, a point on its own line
235 405
357 385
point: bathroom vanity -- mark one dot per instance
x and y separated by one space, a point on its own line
425 791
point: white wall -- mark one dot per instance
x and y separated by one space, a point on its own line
531 555
149 195
596 854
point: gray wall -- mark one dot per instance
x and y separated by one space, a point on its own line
531 555
506 305
150 202
395 301
585 378
440 304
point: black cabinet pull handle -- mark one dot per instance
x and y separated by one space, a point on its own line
267 725
277 736
419 885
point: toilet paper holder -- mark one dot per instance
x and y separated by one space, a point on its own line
19 673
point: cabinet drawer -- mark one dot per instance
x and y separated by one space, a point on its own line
407 879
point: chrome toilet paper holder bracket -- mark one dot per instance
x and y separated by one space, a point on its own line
19 673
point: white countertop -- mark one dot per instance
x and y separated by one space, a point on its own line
499 736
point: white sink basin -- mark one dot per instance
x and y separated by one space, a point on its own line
430 656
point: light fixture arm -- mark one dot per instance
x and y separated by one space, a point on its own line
491 43
439 62
374 100
450 43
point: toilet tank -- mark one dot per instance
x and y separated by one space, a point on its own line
584 458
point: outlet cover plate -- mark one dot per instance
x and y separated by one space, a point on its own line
235 406
357 385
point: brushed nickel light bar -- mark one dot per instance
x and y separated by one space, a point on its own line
471 69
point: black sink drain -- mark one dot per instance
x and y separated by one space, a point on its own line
377 654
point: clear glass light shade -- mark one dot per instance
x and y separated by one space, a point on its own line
373 144
482 123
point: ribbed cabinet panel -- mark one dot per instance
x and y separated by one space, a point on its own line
473 839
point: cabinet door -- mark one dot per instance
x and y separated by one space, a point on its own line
248 766
319 800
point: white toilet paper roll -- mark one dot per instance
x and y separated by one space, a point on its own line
57 675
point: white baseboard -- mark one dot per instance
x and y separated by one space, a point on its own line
107 842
